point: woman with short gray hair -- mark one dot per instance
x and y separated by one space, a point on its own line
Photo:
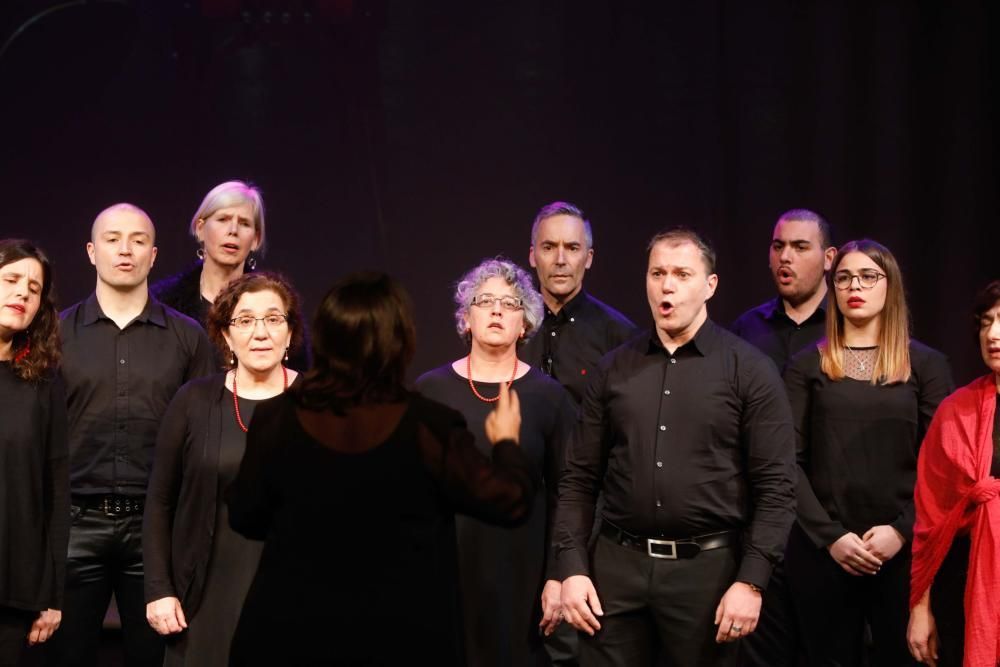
508 585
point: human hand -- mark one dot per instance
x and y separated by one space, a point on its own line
580 604
504 423
552 613
921 634
166 616
883 542
737 613
852 555
42 628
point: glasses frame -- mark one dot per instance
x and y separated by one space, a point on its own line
283 316
850 283
492 298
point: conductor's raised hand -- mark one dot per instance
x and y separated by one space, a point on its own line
504 423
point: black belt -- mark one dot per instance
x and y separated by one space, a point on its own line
112 504
671 549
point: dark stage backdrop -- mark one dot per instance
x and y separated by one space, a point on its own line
420 137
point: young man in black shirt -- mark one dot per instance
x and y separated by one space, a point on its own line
124 357
688 432
578 329
801 253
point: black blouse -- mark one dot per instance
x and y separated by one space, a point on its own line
34 492
857 444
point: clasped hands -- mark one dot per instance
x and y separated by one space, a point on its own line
866 554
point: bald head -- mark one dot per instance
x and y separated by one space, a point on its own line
122 213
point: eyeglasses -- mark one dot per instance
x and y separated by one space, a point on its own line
843 280
487 301
247 322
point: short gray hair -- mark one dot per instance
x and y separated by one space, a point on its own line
233 193
562 208
513 275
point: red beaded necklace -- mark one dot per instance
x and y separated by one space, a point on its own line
236 398
472 386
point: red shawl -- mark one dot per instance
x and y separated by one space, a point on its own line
955 493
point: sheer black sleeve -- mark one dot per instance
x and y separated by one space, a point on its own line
57 486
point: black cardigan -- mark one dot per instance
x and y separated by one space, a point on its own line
179 520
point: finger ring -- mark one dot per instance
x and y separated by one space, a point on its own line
736 628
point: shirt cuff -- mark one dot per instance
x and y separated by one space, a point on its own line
569 563
755 570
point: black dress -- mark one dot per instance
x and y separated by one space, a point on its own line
857 456
948 588
34 498
359 564
231 564
503 570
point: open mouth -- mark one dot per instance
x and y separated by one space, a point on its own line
230 247
785 275
666 308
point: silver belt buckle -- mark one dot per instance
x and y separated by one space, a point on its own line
670 543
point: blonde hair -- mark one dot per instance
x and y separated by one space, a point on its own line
892 363
232 193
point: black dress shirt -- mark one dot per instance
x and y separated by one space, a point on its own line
118 385
858 444
776 334
683 444
572 341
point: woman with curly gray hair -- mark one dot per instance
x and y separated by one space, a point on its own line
508 585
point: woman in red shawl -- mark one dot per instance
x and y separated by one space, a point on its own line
956 538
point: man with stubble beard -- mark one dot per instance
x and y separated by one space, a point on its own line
801 253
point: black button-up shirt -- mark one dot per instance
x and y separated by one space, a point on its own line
683 444
572 341
777 335
118 385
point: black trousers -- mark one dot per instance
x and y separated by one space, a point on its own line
105 557
833 607
775 642
652 601
14 627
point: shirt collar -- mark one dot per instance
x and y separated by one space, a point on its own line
152 313
776 307
571 308
703 343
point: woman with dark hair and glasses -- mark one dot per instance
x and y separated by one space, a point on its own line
34 482
862 400
198 569
509 588
353 483
955 585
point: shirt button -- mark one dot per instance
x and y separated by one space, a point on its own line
121 361
572 319
553 334
666 392
663 427
659 504
673 361
659 464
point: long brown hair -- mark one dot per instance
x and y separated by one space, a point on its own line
893 361
36 349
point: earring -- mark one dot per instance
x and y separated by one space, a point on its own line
233 362
251 261
200 252
286 354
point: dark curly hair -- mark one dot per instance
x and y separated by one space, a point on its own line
225 303
985 299
36 349
363 340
